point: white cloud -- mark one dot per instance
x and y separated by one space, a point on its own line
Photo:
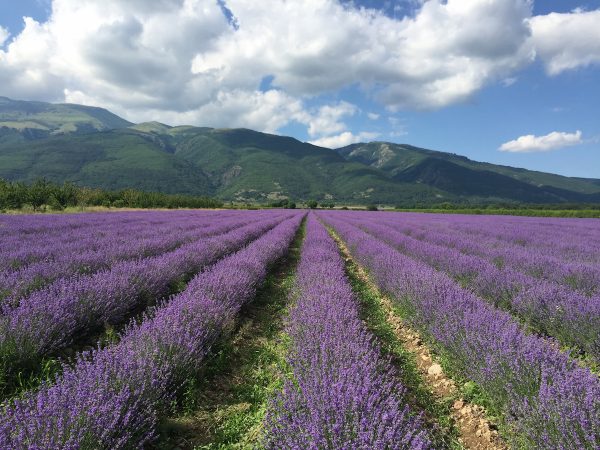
451 49
327 120
4 34
181 58
343 139
567 41
552 141
181 61
134 54
265 111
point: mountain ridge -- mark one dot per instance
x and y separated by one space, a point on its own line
94 147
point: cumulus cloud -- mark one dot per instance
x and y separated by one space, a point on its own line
327 120
266 111
115 52
343 139
202 61
373 116
551 141
567 41
182 56
452 49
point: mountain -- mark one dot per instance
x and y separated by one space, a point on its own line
39 119
237 164
93 147
462 177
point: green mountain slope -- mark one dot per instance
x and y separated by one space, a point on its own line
236 164
115 159
248 165
93 147
463 177
39 119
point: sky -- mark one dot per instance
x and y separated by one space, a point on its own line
513 82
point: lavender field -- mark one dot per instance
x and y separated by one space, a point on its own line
283 329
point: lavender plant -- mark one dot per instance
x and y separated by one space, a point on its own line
51 318
549 400
112 398
552 309
37 259
342 394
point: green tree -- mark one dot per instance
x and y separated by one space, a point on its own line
65 195
39 193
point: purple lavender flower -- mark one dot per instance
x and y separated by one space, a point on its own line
111 398
549 399
343 394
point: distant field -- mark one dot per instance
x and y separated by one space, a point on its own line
581 213
573 213
298 329
93 209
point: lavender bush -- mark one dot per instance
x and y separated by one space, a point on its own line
96 250
551 308
112 398
550 400
343 394
49 319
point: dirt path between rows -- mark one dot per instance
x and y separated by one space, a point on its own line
475 431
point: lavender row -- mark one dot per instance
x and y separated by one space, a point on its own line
57 232
545 237
61 285
550 400
551 309
571 239
107 251
583 277
112 398
20 250
76 261
568 239
85 231
49 320
343 394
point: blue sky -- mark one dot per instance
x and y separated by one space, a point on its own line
12 13
520 97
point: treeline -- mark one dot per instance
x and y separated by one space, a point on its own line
285 203
509 206
43 194
290 204
534 210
